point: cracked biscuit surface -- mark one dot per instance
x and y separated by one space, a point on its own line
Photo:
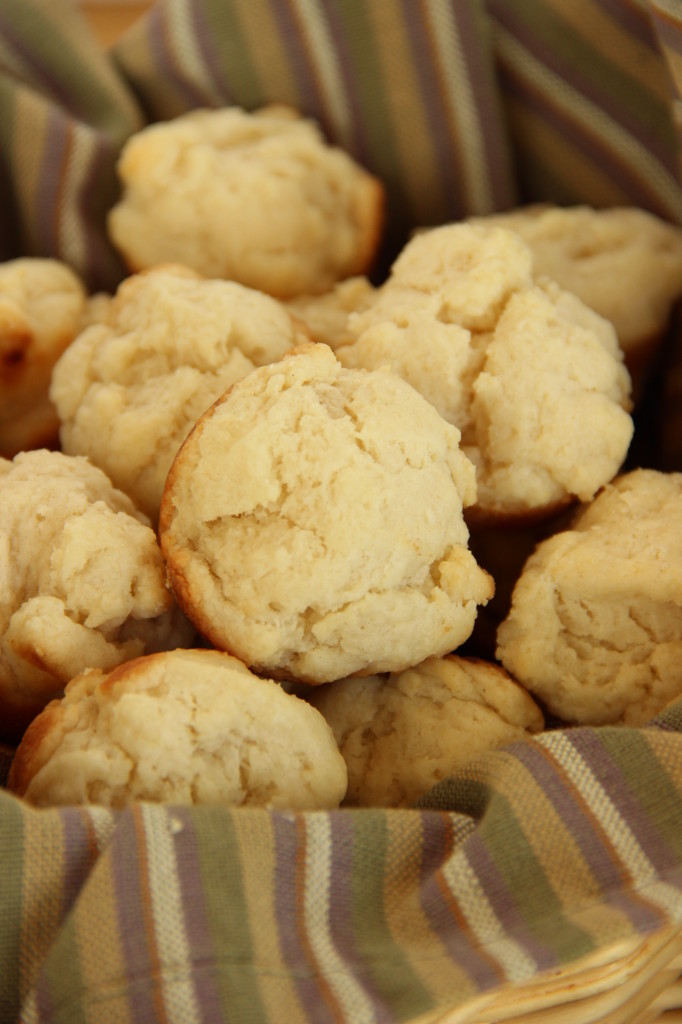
183 727
42 302
595 625
401 734
312 523
169 342
82 581
624 263
533 379
257 197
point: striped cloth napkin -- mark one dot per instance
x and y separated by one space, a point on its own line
536 854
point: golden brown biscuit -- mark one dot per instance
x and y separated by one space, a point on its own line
258 198
183 727
82 581
312 523
132 385
595 625
41 305
401 734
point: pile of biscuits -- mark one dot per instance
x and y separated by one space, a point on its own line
273 532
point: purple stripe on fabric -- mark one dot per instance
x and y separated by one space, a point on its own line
341 909
572 74
103 267
501 899
127 858
361 145
442 912
291 36
210 58
633 17
289 836
591 835
195 918
434 103
585 139
161 42
590 748
480 72
46 200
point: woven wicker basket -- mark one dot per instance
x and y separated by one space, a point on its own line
629 982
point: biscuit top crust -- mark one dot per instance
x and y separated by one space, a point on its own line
533 378
189 727
131 386
624 263
259 198
41 304
312 522
595 626
401 734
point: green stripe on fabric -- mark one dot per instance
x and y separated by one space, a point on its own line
12 860
232 46
388 965
227 914
61 991
371 88
558 36
641 761
537 902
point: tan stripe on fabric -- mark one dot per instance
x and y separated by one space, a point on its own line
71 234
258 861
459 95
642 165
438 971
99 942
267 51
30 126
409 122
167 911
616 45
147 914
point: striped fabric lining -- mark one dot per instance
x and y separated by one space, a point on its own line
179 914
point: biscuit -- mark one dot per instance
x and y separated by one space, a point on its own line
41 304
312 523
326 316
258 198
401 734
182 727
131 386
624 263
595 625
82 581
533 379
